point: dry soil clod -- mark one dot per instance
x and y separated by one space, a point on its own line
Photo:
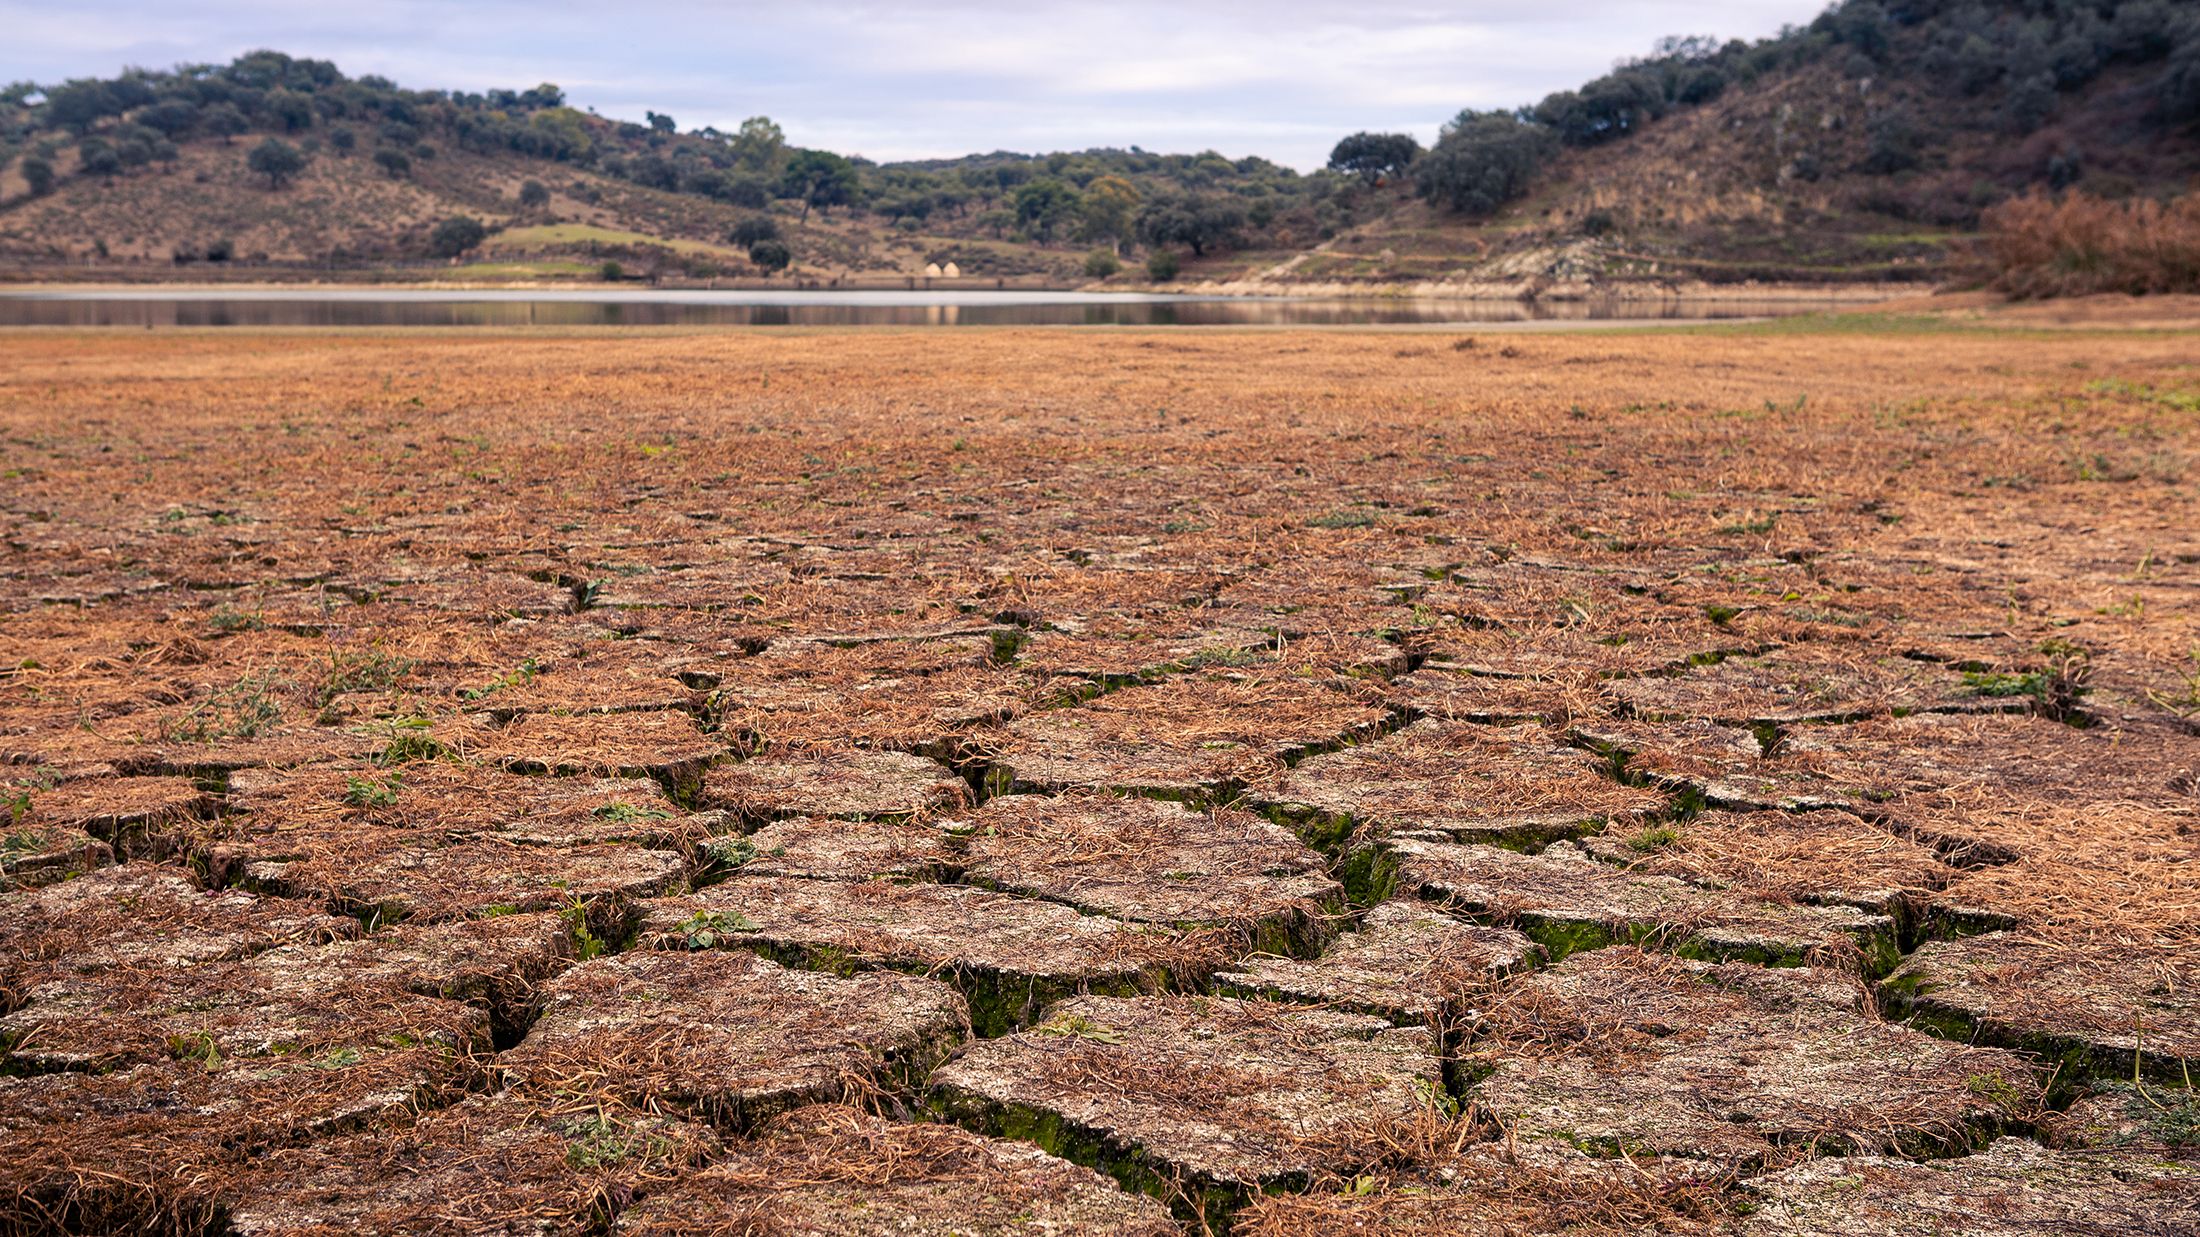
848 784
1404 961
834 1171
1009 955
1624 1053
1568 901
1471 783
1206 1099
2012 1189
2093 1005
514 1164
1149 861
730 1035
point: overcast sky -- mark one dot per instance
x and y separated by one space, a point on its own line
926 78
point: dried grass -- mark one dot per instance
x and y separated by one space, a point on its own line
2080 245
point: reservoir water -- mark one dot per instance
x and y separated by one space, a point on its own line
424 307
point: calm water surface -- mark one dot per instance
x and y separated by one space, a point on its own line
156 307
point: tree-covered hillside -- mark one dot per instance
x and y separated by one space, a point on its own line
290 119
1863 145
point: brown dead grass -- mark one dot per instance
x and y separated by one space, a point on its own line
2082 245
319 555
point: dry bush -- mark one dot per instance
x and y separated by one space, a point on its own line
2043 247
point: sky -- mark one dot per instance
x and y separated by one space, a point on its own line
933 78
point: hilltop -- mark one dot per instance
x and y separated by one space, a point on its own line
1862 148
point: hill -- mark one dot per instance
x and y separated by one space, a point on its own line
149 172
1863 147
1866 146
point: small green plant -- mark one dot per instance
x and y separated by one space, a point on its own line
1209 658
732 852
2055 689
1080 1027
244 710
705 929
404 739
1343 517
370 670
523 675
1657 837
599 1142
586 944
229 619
2183 700
19 806
1996 1089
1995 684
2165 1114
1755 526
372 792
195 1046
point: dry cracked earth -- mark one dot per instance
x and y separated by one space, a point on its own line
1738 782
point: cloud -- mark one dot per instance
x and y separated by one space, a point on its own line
936 78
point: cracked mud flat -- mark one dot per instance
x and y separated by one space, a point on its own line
1740 782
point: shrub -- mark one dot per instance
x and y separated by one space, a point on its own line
771 255
395 163
98 159
1162 266
455 235
754 231
611 272
1897 144
2042 247
277 160
1100 264
533 195
748 191
40 175
224 121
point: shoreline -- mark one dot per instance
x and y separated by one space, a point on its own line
1629 293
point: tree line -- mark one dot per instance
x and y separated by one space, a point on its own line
290 111
2013 60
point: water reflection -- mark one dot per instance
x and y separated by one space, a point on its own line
414 307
